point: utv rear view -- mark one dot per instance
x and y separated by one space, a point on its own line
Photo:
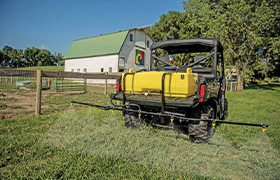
188 96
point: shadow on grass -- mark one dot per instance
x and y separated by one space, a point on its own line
273 86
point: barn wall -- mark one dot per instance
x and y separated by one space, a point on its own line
93 64
128 51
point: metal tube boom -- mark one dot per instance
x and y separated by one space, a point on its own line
171 115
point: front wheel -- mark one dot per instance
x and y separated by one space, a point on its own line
202 131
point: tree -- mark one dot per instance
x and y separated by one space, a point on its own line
31 56
44 58
1 58
6 61
16 56
10 57
168 27
249 30
58 59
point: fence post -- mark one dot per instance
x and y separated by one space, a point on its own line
38 92
231 86
55 84
85 85
49 83
105 87
62 84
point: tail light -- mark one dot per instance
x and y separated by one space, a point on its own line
118 85
202 93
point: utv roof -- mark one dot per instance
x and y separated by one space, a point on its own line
188 45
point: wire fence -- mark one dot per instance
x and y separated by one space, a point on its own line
62 92
15 99
19 92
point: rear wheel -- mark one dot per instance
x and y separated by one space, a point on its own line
202 131
132 121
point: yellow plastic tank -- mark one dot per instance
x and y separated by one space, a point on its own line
176 84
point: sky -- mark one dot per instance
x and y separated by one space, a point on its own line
54 24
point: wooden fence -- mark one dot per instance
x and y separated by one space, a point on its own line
39 74
231 86
32 73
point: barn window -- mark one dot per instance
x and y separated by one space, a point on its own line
102 69
85 70
110 69
131 37
148 43
78 70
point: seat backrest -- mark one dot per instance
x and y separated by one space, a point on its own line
200 68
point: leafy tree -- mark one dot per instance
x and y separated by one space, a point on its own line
6 60
1 58
58 59
10 57
39 57
249 31
7 49
168 27
31 56
16 56
44 58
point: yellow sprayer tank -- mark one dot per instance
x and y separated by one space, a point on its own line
176 84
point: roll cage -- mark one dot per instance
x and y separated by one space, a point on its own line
193 45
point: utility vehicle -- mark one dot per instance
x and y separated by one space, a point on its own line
189 97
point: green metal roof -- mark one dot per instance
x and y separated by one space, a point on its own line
97 46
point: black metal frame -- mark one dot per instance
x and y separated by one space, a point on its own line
162 91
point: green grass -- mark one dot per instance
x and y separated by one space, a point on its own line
94 144
61 102
44 68
26 152
3 106
257 104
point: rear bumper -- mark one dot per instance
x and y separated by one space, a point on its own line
156 100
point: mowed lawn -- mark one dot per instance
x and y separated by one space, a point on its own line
94 144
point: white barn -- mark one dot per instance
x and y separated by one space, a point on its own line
113 52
